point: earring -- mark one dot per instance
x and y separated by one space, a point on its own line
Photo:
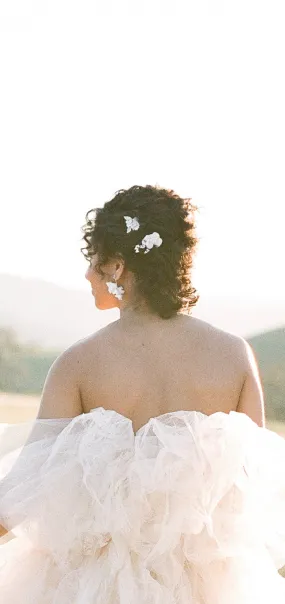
117 290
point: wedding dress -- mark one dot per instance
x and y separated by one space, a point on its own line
189 510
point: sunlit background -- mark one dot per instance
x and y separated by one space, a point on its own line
99 95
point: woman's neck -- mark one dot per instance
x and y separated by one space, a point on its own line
141 316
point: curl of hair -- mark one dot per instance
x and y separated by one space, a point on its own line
163 276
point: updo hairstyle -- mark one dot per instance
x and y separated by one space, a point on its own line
163 275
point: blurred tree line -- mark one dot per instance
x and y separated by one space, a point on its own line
23 369
269 349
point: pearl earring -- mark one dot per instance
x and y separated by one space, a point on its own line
117 290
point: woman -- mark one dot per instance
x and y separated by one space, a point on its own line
148 475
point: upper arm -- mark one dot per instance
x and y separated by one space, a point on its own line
61 393
251 400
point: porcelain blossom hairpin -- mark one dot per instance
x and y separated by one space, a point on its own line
132 224
148 242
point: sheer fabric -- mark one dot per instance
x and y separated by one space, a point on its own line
189 510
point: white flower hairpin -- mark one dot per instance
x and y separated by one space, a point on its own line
148 242
132 224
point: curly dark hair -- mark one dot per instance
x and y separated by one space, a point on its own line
162 276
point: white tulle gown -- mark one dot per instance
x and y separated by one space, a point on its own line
190 510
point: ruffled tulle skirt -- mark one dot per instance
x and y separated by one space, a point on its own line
190 510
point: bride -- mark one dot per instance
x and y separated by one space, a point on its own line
148 475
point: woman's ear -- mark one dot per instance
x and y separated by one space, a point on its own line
119 267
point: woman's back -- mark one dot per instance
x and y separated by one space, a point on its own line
143 478
143 368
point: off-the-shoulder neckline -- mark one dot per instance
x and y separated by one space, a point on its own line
150 420
155 417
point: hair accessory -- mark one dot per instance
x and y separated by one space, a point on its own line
132 224
117 290
148 242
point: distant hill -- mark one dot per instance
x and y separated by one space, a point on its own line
269 349
23 368
55 317
46 314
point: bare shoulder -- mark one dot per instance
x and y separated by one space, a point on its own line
96 337
236 355
61 395
203 335
90 351
216 339
95 341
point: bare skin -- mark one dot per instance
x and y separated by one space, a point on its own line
143 371
142 366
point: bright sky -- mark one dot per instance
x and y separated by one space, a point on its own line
99 95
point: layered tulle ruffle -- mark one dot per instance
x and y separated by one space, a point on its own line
190 510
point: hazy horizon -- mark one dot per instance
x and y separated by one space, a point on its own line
54 316
94 103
